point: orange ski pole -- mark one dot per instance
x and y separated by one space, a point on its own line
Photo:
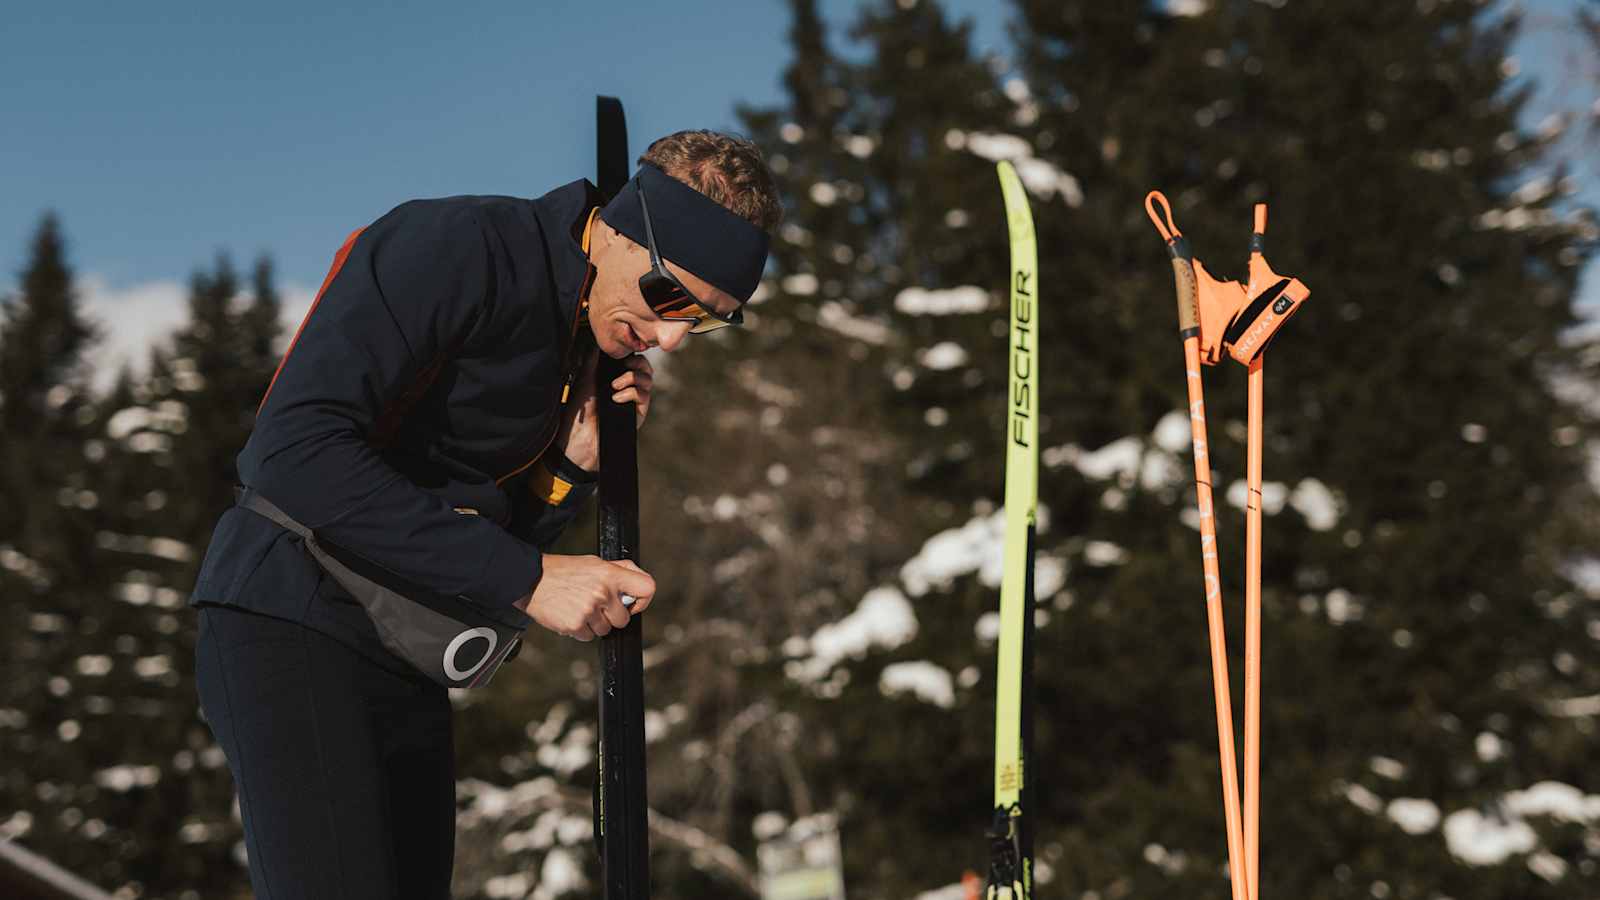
1252 638
1189 329
1259 273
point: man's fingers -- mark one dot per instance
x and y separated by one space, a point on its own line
598 624
582 633
616 612
633 580
641 379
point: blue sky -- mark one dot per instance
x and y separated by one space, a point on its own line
164 133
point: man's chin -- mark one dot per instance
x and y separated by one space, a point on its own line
614 342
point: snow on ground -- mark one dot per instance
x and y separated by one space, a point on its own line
1491 834
1157 461
560 874
1046 181
1171 862
1363 799
987 628
943 356
24 566
977 546
1388 767
1049 575
922 679
1586 574
1040 177
169 415
143 593
883 619
858 145
124 778
967 298
1312 499
833 316
1414 815
803 284
1172 432
575 751
1557 800
165 548
490 802
1480 840
1273 495
768 825
1128 460
1104 553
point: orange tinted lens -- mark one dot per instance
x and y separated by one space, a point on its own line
708 323
677 303
685 313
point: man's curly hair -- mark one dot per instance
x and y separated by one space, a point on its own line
726 168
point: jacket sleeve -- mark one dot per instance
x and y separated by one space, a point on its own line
409 293
546 501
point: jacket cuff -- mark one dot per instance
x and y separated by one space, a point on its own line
513 572
557 480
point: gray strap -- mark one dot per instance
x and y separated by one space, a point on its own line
426 639
260 505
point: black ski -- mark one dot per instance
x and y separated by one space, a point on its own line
621 806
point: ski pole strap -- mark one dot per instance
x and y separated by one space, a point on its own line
1169 229
1221 313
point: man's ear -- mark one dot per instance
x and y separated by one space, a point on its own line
604 235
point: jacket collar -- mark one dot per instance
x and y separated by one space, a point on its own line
561 215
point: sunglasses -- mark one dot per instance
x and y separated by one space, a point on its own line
666 295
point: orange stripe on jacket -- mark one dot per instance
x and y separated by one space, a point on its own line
338 263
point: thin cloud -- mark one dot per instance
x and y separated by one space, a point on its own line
134 319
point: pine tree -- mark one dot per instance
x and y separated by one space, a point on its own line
44 337
116 777
50 498
176 431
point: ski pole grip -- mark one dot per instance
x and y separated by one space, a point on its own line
1188 294
1258 235
1182 261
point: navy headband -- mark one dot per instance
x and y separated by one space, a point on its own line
692 230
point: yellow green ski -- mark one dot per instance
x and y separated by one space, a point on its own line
1011 833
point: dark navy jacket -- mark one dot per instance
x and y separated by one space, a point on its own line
409 421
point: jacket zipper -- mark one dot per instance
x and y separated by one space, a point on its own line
570 375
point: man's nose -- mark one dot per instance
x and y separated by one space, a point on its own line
670 334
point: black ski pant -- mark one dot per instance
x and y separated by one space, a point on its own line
345 769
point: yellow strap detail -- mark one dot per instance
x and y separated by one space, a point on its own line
547 487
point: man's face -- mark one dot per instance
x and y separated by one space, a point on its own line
621 321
